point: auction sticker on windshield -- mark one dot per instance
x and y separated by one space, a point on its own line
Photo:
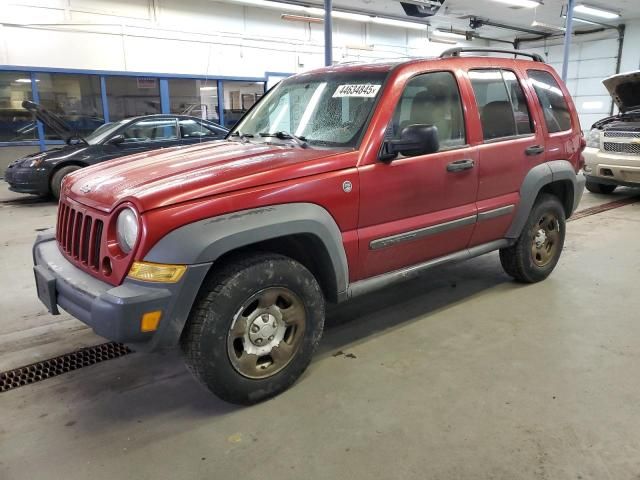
365 90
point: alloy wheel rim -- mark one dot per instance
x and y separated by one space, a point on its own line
266 332
545 241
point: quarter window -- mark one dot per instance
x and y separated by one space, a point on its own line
552 101
431 99
501 103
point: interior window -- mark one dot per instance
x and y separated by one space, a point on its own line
552 101
431 99
151 130
193 129
501 103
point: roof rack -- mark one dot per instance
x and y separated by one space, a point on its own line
455 52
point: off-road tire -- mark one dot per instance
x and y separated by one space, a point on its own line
226 289
604 188
56 179
518 260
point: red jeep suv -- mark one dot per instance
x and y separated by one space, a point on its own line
337 182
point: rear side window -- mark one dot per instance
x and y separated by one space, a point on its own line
501 103
552 101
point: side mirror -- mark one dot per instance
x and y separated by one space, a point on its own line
116 140
418 139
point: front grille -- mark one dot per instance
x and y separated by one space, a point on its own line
79 235
630 148
620 134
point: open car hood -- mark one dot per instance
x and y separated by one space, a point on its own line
51 120
624 88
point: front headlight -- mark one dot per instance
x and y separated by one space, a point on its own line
127 229
593 138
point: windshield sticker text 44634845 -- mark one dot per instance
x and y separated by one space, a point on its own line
366 90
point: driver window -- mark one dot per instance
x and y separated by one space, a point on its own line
431 99
151 130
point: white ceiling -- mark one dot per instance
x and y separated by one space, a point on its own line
452 11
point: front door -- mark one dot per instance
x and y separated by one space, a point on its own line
416 208
147 134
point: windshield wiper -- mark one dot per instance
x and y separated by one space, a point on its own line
282 135
244 137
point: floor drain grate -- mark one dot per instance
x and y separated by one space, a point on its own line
604 207
68 362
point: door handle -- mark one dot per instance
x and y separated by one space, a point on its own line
460 165
534 150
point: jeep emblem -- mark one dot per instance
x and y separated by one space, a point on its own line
85 188
347 186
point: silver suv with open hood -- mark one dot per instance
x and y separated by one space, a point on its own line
612 156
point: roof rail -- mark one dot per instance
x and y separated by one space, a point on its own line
455 52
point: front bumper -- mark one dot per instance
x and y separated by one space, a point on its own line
27 180
610 168
114 312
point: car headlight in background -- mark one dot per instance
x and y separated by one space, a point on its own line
593 138
36 160
127 229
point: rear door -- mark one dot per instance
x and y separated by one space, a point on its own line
510 146
415 208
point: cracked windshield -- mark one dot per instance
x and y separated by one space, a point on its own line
330 110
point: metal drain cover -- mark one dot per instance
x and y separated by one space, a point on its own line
53 367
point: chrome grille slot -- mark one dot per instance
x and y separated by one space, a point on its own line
80 236
620 134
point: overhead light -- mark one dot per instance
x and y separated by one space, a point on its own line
24 80
398 23
582 20
207 89
269 4
596 11
442 40
356 17
592 105
547 26
520 3
301 18
449 34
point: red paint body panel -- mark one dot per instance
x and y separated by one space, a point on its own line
177 186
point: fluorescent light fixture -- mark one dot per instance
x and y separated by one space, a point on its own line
596 11
398 23
439 40
269 4
520 3
449 34
24 80
356 17
548 26
582 20
207 89
592 105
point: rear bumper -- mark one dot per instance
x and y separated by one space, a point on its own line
27 180
114 312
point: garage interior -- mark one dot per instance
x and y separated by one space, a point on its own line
461 373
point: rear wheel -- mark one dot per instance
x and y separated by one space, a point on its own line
254 328
56 179
595 187
537 251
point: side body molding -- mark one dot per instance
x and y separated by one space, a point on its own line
206 240
535 180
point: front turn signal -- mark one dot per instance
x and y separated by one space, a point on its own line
156 272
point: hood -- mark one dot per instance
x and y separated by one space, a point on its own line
624 88
173 175
51 120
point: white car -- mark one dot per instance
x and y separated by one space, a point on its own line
612 156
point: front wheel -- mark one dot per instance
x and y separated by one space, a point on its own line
56 179
254 327
595 187
537 251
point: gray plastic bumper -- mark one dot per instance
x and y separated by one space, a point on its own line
114 312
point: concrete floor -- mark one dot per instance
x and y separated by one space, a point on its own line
461 374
